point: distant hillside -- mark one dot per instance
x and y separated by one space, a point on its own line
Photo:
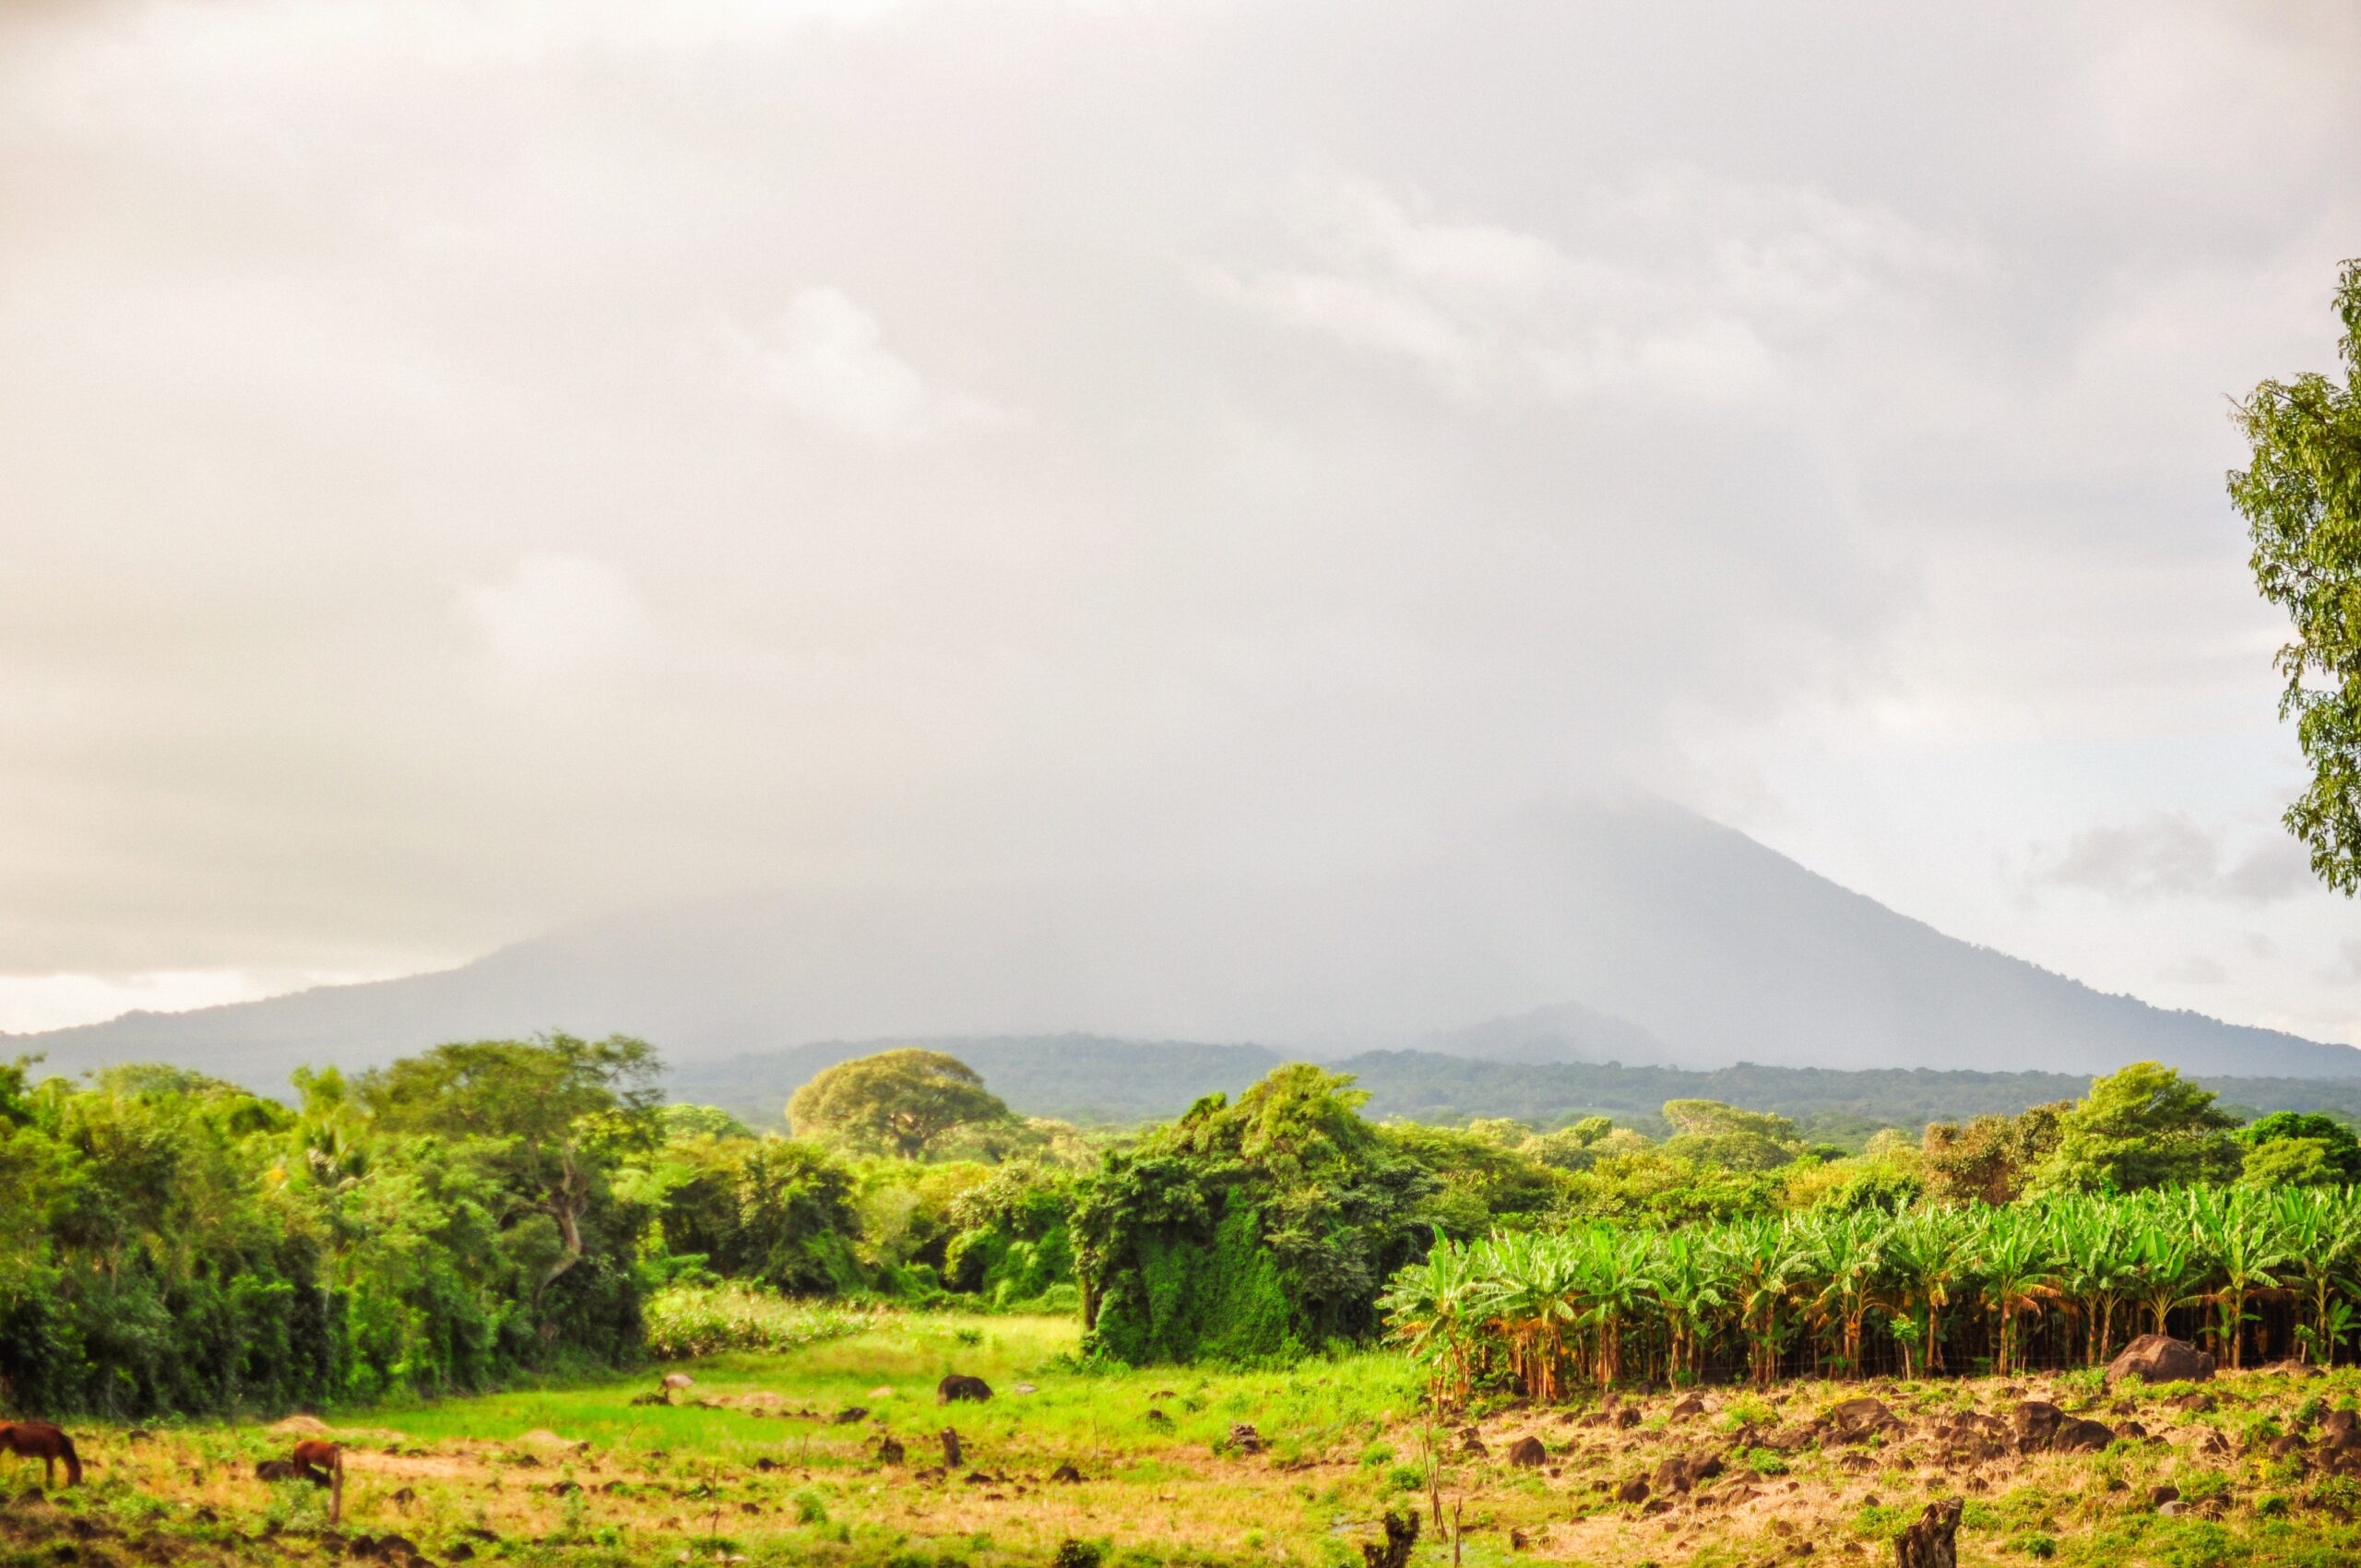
1569 1032
1635 932
1084 1078
1095 1080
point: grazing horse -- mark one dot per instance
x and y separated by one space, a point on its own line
322 1464
39 1440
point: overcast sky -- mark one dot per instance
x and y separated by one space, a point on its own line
468 467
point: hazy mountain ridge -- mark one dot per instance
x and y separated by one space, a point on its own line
1636 932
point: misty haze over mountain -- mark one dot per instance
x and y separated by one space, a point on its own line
1634 931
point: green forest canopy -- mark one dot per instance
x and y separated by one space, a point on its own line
170 1242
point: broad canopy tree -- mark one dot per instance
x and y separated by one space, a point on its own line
553 1112
896 1103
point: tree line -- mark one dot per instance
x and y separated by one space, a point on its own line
170 1242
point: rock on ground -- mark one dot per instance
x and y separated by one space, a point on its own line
2159 1358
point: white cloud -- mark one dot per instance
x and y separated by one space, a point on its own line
1675 285
555 617
825 358
29 1003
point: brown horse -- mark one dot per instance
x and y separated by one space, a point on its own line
322 1464
39 1440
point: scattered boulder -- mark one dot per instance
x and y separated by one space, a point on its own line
889 1451
1861 1418
1156 1418
1932 1540
2340 1429
1527 1453
950 1449
2159 1496
1692 1406
2077 1435
1474 1445
850 1414
1065 1473
957 1386
274 1470
1245 1439
1628 1416
2032 1424
1633 1491
2160 1357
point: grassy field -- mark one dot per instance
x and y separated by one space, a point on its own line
757 1463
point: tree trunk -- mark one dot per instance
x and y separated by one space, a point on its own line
564 1206
1401 1534
1933 1540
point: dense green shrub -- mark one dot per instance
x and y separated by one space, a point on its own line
1249 1231
177 1243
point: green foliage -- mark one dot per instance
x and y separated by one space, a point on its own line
1652 1186
2301 497
2144 1126
1010 1243
1990 1159
1933 1287
766 1209
2299 1148
178 1244
1251 1230
896 1102
690 1321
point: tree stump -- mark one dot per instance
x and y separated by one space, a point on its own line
1401 1534
950 1449
1933 1541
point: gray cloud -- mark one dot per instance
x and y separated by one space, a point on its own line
2197 968
2170 857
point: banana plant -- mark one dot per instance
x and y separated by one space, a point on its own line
2015 1274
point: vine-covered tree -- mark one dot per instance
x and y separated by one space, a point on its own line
2301 498
1260 1229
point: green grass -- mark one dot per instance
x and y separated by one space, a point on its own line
1342 1445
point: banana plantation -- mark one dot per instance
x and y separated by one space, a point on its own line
2253 1274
